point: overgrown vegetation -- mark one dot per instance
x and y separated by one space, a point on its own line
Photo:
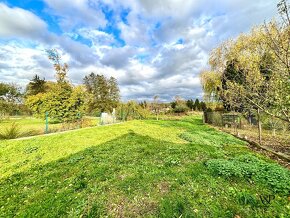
252 168
250 74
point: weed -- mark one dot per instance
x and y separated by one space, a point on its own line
14 131
251 168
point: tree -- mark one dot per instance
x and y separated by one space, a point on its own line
251 72
203 106
10 98
60 69
277 38
62 100
173 104
131 110
103 93
114 92
197 105
60 105
144 104
254 70
180 106
35 86
190 104
211 81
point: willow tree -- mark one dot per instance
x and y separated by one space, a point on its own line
277 39
211 81
252 72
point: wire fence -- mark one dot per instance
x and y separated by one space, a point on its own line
274 133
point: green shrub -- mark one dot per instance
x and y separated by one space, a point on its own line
180 109
250 167
130 111
214 117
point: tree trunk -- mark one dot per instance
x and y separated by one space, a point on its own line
274 132
259 126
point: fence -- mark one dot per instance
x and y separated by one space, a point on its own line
218 118
272 133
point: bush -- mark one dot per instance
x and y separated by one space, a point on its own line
180 109
274 124
250 167
130 111
214 118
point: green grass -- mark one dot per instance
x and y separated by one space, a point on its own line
37 126
138 168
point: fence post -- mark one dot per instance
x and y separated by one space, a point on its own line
46 122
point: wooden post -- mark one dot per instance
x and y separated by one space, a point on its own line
259 126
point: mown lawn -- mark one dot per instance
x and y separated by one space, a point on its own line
140 168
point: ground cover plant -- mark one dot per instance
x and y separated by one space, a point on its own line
149 168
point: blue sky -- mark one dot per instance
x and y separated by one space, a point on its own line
152 47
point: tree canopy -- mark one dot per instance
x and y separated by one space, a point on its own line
252 71
103 93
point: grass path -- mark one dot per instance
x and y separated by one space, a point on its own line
137 168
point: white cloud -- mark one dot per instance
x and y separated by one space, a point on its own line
118 57
19 63
16 22
77 12
136 32
151 61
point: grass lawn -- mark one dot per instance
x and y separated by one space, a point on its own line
37 126
140 168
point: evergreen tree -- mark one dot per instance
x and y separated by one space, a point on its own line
35 86
197 105
190 104
173 105
202 106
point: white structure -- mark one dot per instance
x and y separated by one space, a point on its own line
108 118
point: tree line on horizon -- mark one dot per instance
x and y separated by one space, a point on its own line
62 100
66 102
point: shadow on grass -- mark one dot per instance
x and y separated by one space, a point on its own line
97 180
130 176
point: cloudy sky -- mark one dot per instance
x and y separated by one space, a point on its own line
150 46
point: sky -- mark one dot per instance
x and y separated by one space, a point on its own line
152 47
